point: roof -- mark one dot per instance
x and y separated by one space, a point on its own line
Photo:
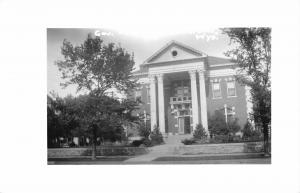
212 60
143 70
174 43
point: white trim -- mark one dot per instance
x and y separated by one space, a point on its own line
169 44
176 68
212 89
221 72
226 64
143 80
139 74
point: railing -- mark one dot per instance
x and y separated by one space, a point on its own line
180 99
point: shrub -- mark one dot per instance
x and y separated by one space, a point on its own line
237 139
188 141
221 138
137 143
249 133
144 131
156 136
218 126
199 132
147 142
233 126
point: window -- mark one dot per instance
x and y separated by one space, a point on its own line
174 53
179 91
231 89
187 106
216 89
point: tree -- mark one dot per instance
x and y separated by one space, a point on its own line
156 137
249 133
217 124
96 68
53 124
252 53
200 132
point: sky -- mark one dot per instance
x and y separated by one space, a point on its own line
143 43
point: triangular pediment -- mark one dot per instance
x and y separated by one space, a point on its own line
174 51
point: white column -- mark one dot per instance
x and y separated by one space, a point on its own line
203 104
195 109
153 101
161 103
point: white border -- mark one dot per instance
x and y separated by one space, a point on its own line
23 117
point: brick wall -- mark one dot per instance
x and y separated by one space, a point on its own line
239 102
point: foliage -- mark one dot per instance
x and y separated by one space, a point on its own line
217 124
189 141
249 133
156 136
62 120
252 53
200 132
88 116
137 143
144 130
221 139
148 143
233 126
96 68
53 124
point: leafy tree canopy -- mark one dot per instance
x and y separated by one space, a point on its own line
253 55
96 67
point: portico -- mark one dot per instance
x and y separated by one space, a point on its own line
187 102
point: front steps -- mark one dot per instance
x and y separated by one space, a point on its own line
176 139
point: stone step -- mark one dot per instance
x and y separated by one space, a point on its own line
176 139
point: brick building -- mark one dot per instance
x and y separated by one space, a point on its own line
181 87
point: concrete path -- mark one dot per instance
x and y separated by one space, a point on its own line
154 152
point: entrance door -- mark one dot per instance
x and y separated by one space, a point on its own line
181 125
187 125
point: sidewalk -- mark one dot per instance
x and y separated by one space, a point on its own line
171 152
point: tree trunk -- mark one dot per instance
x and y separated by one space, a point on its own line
94 144
94 151
266 139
